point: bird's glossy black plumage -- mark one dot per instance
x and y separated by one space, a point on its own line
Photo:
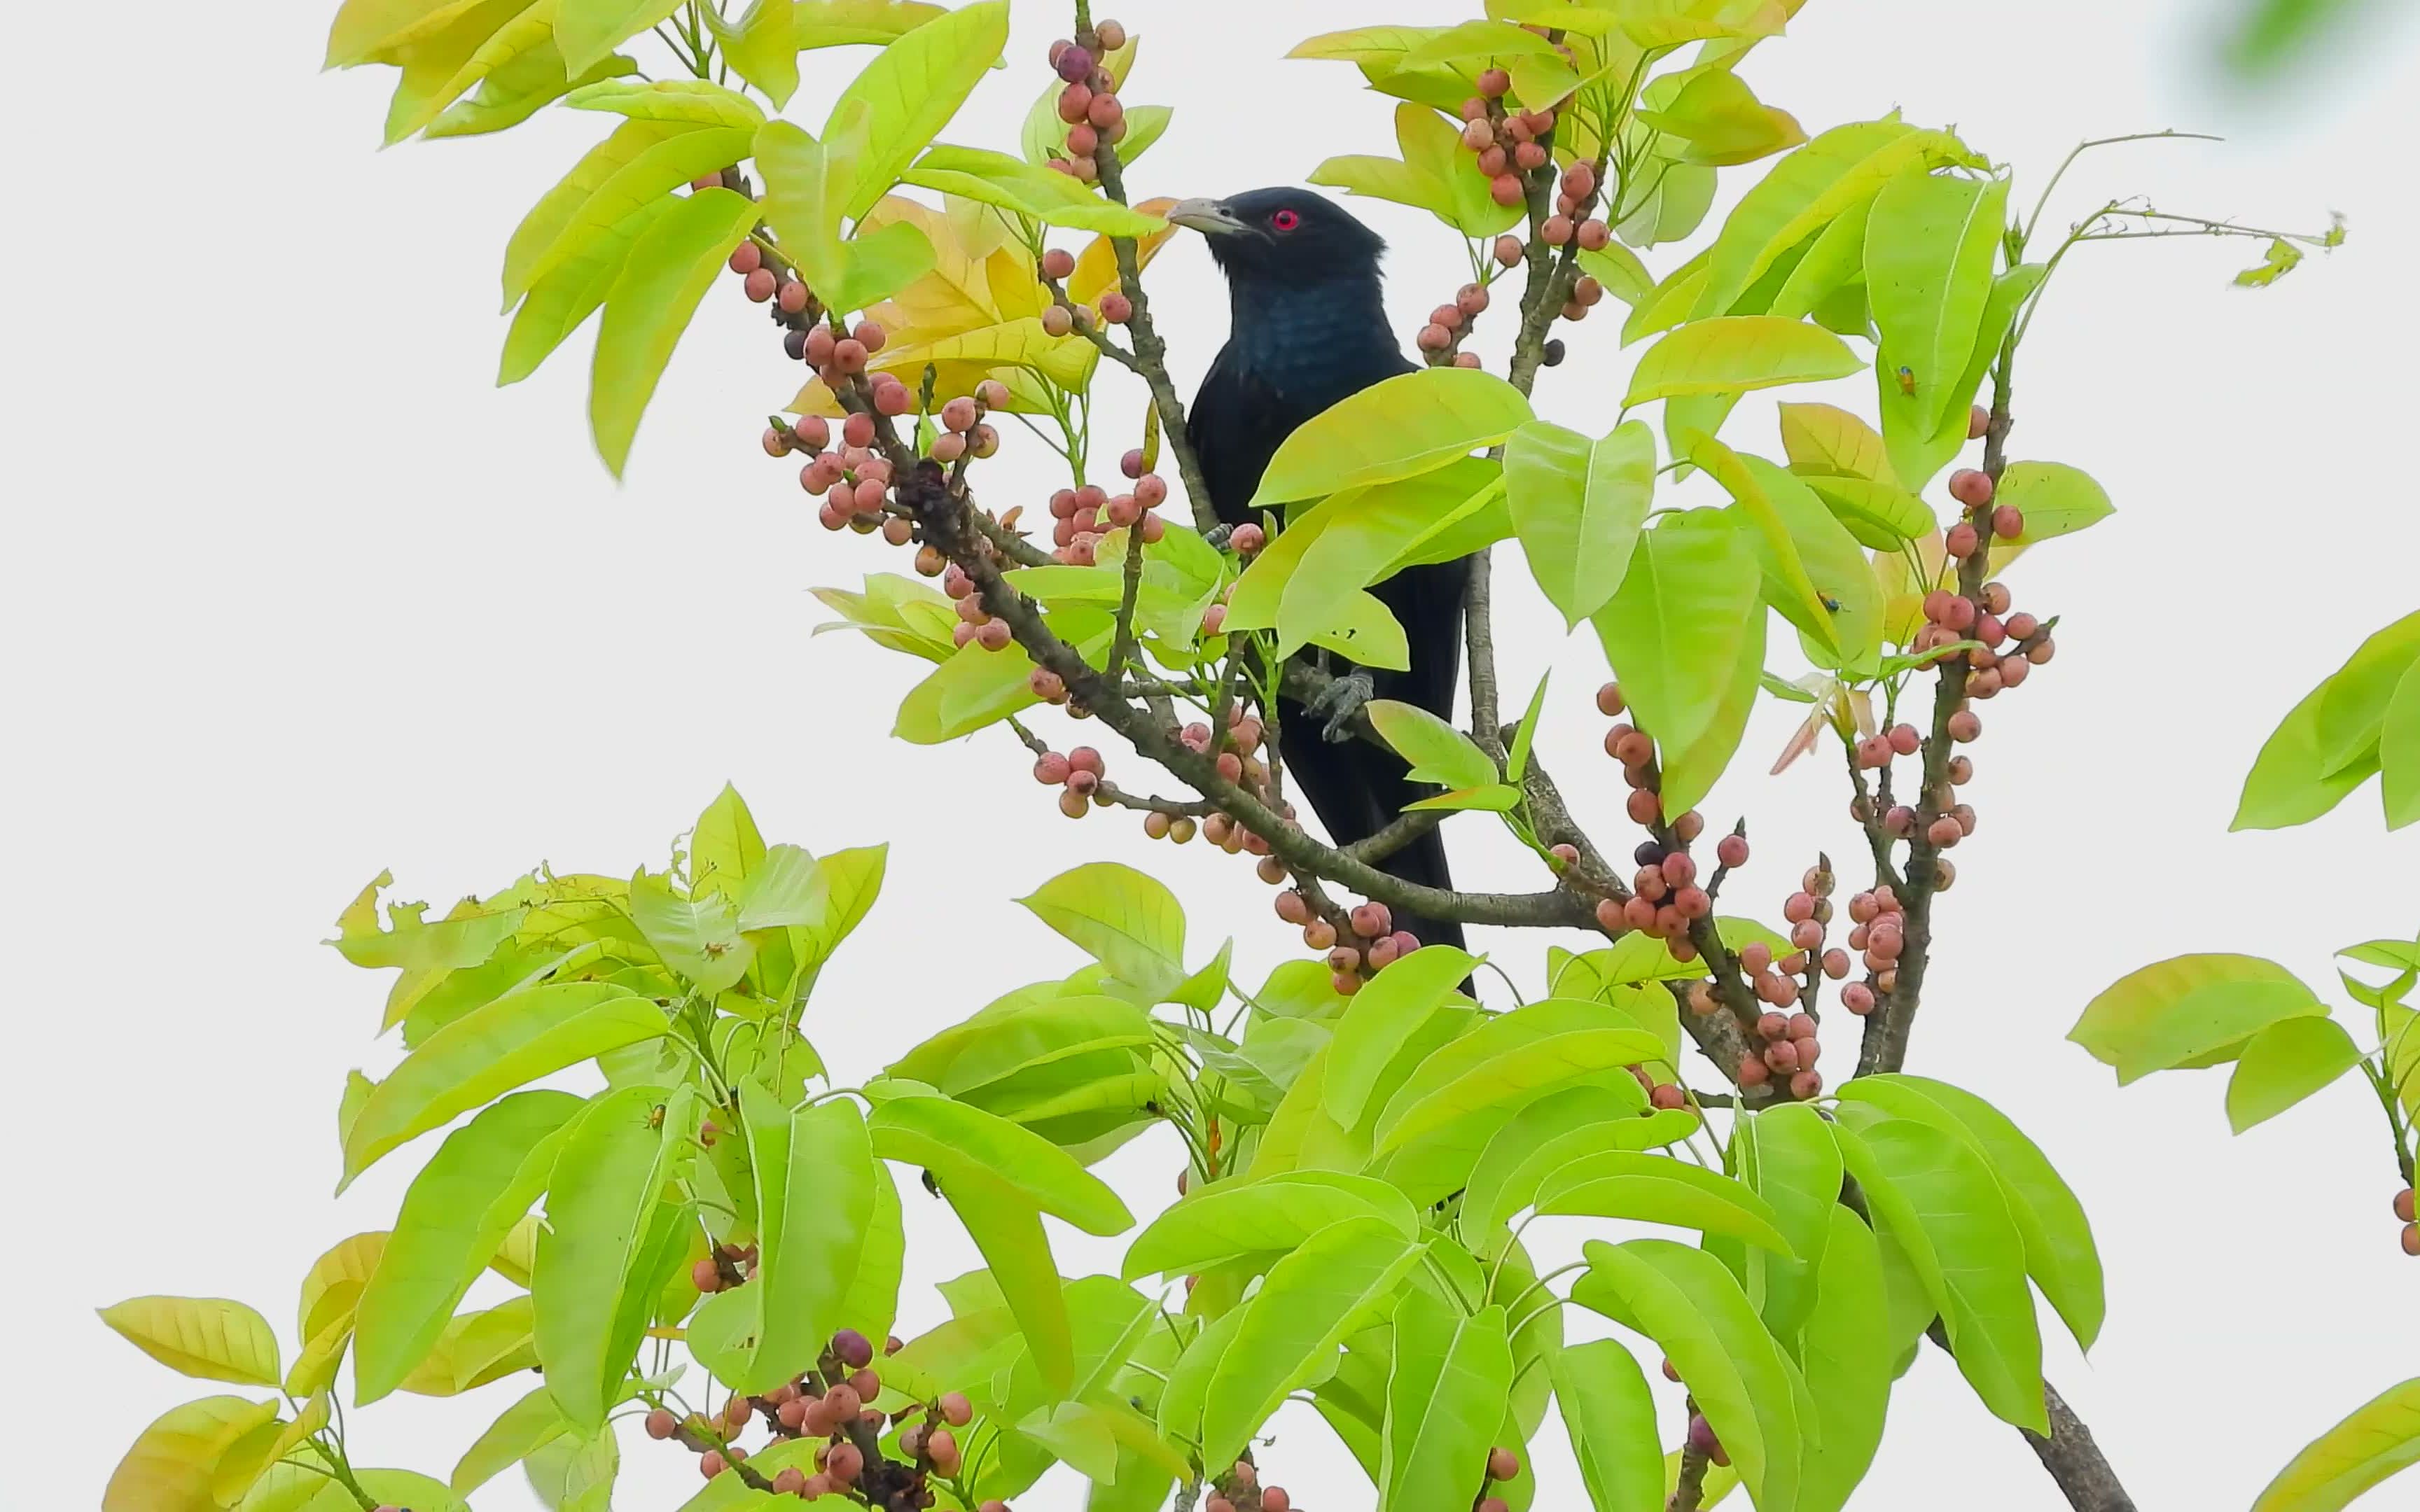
1309 327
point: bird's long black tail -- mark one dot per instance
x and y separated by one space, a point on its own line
1357 789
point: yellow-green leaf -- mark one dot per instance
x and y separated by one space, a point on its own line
2289 783
1126 920
2377 1440
1013 183
2057 500
698 101
2285 1063
1803 192
1723 121
587 30
2189 1011
762 46
169 1467
1686 617
1726 354
209 1338
1405 425
1577 506
1436 750
491 1050
561 302
911 90
671 266
643 160
1931 242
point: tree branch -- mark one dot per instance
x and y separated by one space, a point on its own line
1884 1045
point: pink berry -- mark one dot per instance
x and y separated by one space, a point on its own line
1075 64
747 257
2008 522
1806 1085
760 284
792 297
1495 83
1594 235
1247 539
710 1464
1057 264
848 355
1965 725
1962 540
1971 486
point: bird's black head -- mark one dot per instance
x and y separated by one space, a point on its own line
1288 237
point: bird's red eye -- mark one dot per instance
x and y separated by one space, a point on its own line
1285 220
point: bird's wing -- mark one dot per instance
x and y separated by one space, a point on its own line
1237 422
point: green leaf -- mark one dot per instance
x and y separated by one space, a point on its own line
1661 1190
480 1182
2189 1011
519 90
1398 428
521 1429
912 89
209 1338
1789 1156
1436 750
967 1148
1311 575
2291 783
1823 440
2353 705
490 1051
1012 183
815 1180
698 101
2377 1440
1690 1306
1529 1144
2057 500
169 1466
1881 515
1930 239
1814 573
1947 1205
1577 506
1511 1059
671 266
1678 632
2285 1063
602 1256
1337 1283
559 303
762 47
587 30
1017 1034
1846 1357
1444 1401
1610 1416
1804 192
1007 1229
2399 751
1729 354
1723 121
1272 1214
635 163
698 936
846 23
1126 920
2060 1254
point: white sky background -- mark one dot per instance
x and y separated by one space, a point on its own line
293 594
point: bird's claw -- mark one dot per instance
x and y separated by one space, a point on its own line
1217 535
1340 700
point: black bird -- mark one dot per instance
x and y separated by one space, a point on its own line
1307 328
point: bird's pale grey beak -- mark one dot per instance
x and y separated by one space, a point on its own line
1208 216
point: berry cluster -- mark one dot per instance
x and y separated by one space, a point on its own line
1078 773
1083 516
1877 925
833 1403
2404 1209
1665 896
1440 340
1506 144
1702 1433
1088 104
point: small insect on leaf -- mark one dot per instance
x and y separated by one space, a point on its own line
1907 381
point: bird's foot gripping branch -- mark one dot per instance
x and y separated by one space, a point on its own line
1363 1144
